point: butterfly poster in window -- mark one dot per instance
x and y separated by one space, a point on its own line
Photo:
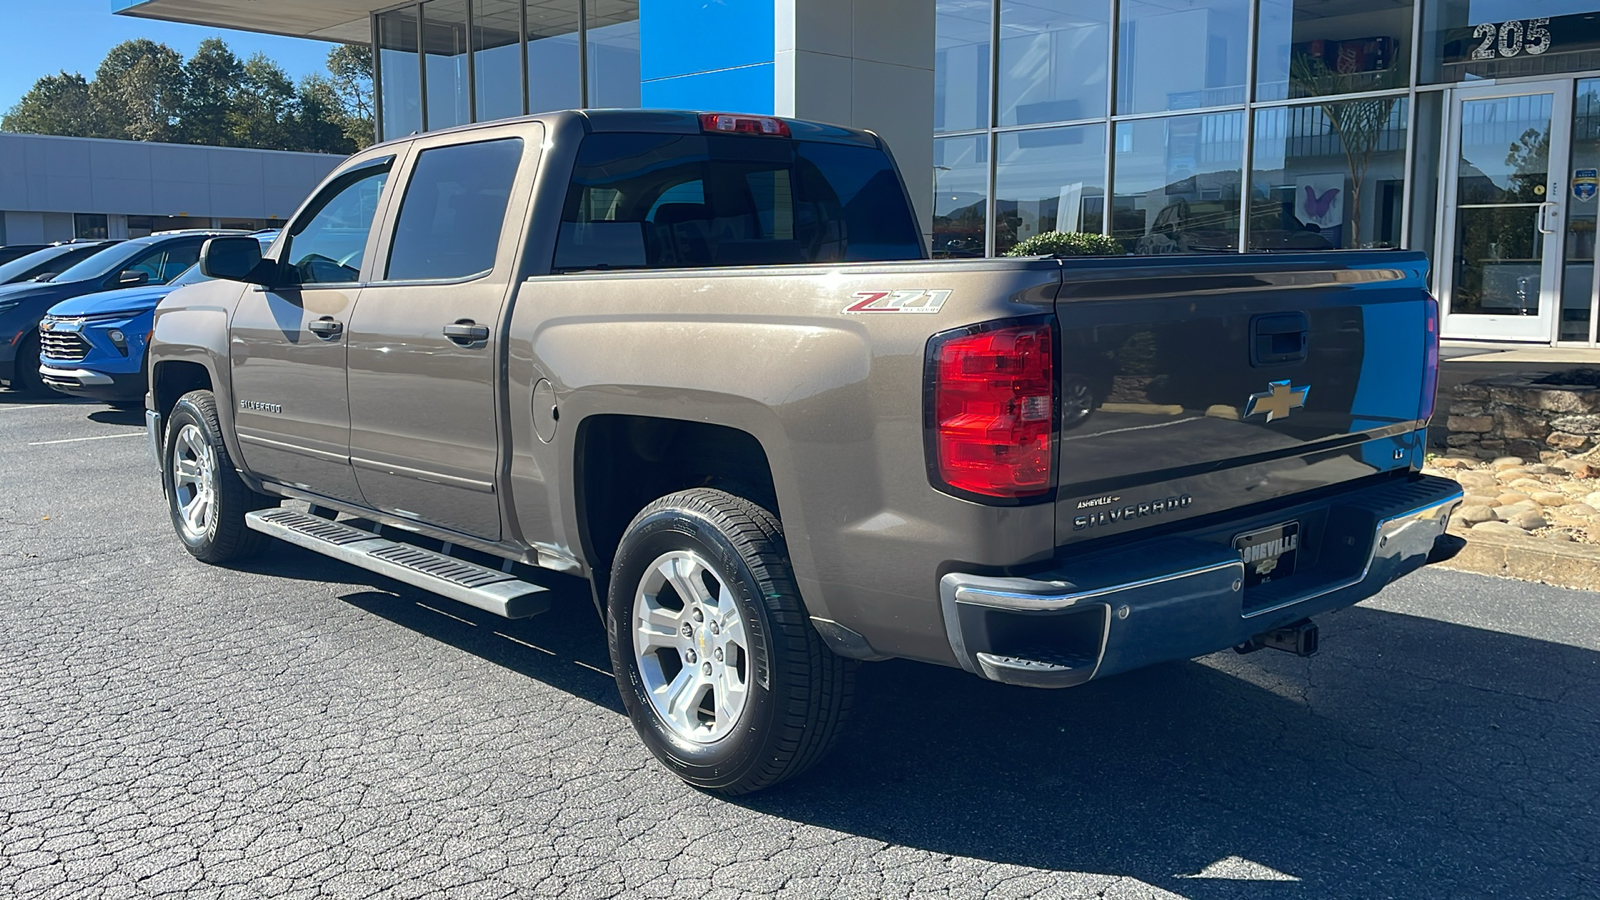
1319 202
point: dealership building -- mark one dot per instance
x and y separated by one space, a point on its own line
59 188
1464 128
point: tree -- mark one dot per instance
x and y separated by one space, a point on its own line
320 120
350 67
264 109
146 91
138 91
215 83
56 104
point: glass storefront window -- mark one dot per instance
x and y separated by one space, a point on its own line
1050 179
1053 60
1468 40
613 53
444 38
961 64
1330 176
496 47
1178 182
1313 48
960 196
89 225
1578 282
553 56
1181 56
398 89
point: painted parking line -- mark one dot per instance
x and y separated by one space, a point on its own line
98 437
29 406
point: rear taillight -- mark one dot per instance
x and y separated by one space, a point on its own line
1430 359
991 411
728 123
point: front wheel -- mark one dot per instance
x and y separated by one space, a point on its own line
205 496
719 667
25 378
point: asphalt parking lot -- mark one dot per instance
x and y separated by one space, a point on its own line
298 728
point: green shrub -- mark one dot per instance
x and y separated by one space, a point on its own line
1068 243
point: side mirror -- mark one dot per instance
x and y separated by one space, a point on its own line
133 279
233 259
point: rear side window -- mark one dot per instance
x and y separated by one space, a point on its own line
454 207
664 201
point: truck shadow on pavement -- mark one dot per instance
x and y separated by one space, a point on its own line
1412 758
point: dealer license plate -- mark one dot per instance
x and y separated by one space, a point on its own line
1269 554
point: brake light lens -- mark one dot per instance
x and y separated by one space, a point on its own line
1430 364
728 123
993 411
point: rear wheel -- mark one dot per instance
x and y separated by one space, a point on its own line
719 667
26 378
205 496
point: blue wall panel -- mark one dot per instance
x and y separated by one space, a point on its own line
743 90
685 37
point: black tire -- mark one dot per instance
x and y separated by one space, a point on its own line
224 537
25 379
799 692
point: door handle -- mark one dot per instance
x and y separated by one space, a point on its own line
325 327
466 332
1547 217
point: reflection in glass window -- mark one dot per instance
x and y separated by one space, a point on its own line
962 31
553 56
1313 48
1052 60
960 195
1181 56
1330 176
1177 183
454 208
613 53
1052 179
444 35
497 49
397 73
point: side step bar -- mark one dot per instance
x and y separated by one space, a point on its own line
487 589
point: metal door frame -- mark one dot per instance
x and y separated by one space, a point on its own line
1471 326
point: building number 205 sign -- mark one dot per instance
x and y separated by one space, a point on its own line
1506 39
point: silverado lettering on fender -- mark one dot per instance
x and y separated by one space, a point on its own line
698 368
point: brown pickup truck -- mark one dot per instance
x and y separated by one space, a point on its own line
698 368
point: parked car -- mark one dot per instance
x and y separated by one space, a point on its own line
12 251
94 345
699 370
155 259
49 260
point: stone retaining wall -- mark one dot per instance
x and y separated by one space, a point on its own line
1527 415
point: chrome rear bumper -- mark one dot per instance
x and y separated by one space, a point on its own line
1181 596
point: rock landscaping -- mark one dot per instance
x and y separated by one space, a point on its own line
1526 415
1556 497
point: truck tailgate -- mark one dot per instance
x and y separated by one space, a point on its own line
1215 384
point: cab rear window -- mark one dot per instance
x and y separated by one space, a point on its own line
665 201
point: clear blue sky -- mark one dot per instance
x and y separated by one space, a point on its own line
43 37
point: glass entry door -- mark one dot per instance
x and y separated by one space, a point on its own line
1506 190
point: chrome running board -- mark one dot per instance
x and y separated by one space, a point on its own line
487 589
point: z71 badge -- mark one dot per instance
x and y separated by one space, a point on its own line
897 301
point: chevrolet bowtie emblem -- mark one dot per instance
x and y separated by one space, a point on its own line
1277 400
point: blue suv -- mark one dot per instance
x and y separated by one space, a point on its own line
94 346
153 260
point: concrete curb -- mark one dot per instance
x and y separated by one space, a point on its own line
1562 564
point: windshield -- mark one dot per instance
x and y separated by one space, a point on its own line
20 266
103 263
